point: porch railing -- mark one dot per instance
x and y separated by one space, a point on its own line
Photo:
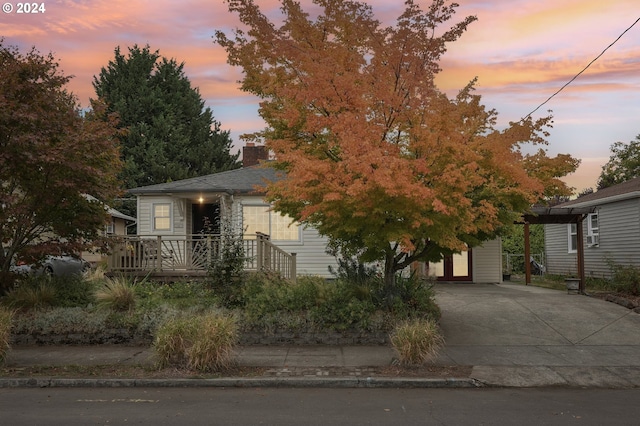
192 254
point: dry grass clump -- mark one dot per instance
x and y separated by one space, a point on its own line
5 332
32 295
202 342
116 294
417 341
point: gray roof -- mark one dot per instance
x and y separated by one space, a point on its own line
238 181
110 210
621 191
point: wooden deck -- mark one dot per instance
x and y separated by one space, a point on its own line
162 256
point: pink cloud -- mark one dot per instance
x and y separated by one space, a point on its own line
521 50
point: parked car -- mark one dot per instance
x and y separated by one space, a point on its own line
55 266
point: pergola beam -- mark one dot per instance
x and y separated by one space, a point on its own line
555 215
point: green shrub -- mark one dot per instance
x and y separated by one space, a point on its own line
180 294
202 342
226 268
415 298
116 294
267 293
340 309
31 293
5 332
416 341
626 278
73 290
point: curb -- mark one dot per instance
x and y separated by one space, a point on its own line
267 382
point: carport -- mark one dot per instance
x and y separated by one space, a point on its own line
550 215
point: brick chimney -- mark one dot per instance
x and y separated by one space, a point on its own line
252 154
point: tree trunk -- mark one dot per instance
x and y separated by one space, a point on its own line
390 278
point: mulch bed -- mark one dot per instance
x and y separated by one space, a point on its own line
626 300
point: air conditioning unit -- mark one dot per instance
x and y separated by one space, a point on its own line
592 240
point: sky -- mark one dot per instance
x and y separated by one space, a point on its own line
521 51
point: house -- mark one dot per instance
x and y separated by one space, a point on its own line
191 208
116 226
197 206
611 232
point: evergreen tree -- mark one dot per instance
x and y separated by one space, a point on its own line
170 134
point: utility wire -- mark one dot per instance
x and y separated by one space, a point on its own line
583 70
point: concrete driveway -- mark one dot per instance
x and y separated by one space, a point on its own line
541 335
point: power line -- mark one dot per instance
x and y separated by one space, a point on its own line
583 70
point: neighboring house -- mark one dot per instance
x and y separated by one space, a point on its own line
612 232
116 225
482 264
198 205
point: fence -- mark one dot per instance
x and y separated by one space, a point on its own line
515 262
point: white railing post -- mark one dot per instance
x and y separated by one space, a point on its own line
158 257
293 267
259 249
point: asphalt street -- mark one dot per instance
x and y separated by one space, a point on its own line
271 406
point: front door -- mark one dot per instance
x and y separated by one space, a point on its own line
455 267
205 218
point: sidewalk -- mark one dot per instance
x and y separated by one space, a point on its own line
509 335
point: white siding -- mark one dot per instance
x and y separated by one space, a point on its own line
487 262
619 240
310 250
556 244
312 258
145 215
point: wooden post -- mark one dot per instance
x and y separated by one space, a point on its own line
293 269
158 258
259 249
527 254
579 237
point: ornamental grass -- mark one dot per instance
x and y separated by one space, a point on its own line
5 332
417 341
203 342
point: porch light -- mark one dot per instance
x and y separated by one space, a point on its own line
201 200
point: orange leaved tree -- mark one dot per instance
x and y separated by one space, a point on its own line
376 157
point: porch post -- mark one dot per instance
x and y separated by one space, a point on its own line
293 269
579 237
259 250
158 258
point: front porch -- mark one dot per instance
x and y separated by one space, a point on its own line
166 256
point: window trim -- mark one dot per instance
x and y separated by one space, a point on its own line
570 234
110 227
590 228
154 217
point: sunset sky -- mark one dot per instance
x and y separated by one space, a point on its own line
522 51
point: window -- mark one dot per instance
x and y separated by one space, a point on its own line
162 217
261 219
573 237
593 227
593 230
110 228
